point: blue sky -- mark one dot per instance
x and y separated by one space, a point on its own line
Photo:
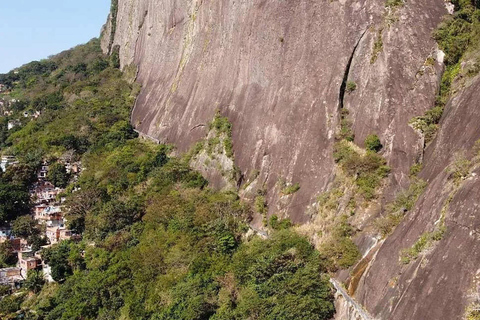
34 29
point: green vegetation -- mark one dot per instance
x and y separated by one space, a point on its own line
279 224
372 143
394 3
113 19
458 37
291 189
368 169
351 86
223 130
157 243
35 281
339 250
8 257
57 174
423 243
377 45
428 123
472 312
260 204
14 200
459 168
346 132
403 203
459 33
415 169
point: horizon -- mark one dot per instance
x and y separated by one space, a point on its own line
35 31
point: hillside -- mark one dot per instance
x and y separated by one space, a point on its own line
307 87
247 160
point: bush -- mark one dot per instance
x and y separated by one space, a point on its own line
368 169
415 169
34 281
278 224
351 86
291 189
57 175
372 143
403 202
459 168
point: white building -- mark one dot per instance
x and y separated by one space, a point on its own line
7 161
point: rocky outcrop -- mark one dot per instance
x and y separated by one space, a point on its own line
279 71
276 69
438 284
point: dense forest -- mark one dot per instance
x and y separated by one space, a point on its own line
157 242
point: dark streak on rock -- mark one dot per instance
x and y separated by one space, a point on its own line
343 87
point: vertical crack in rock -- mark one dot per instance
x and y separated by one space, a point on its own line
343 86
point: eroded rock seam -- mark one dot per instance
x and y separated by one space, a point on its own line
343 86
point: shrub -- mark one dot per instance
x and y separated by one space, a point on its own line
278 224
415 169
377 46
57 175
460 167
351 86
394 3
291 189
346 131
428 123
261 204
403 202
372 143
423 243
472 312
34 281
368 169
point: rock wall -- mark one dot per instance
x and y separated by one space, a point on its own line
439 283
277 70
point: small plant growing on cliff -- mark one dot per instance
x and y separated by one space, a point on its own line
415 169
291 189
351 86
223 128
425 241
473 312
394 3
279 224
346 131
460 168
428 123
260 202
339 251
369 169
372 143
377 47
403 203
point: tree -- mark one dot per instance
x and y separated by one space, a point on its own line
20 174
35 281
14 201
7 255
25 227
57 257
57 174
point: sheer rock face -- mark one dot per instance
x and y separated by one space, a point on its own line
440 282
275 69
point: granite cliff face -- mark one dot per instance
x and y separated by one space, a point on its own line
278 70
